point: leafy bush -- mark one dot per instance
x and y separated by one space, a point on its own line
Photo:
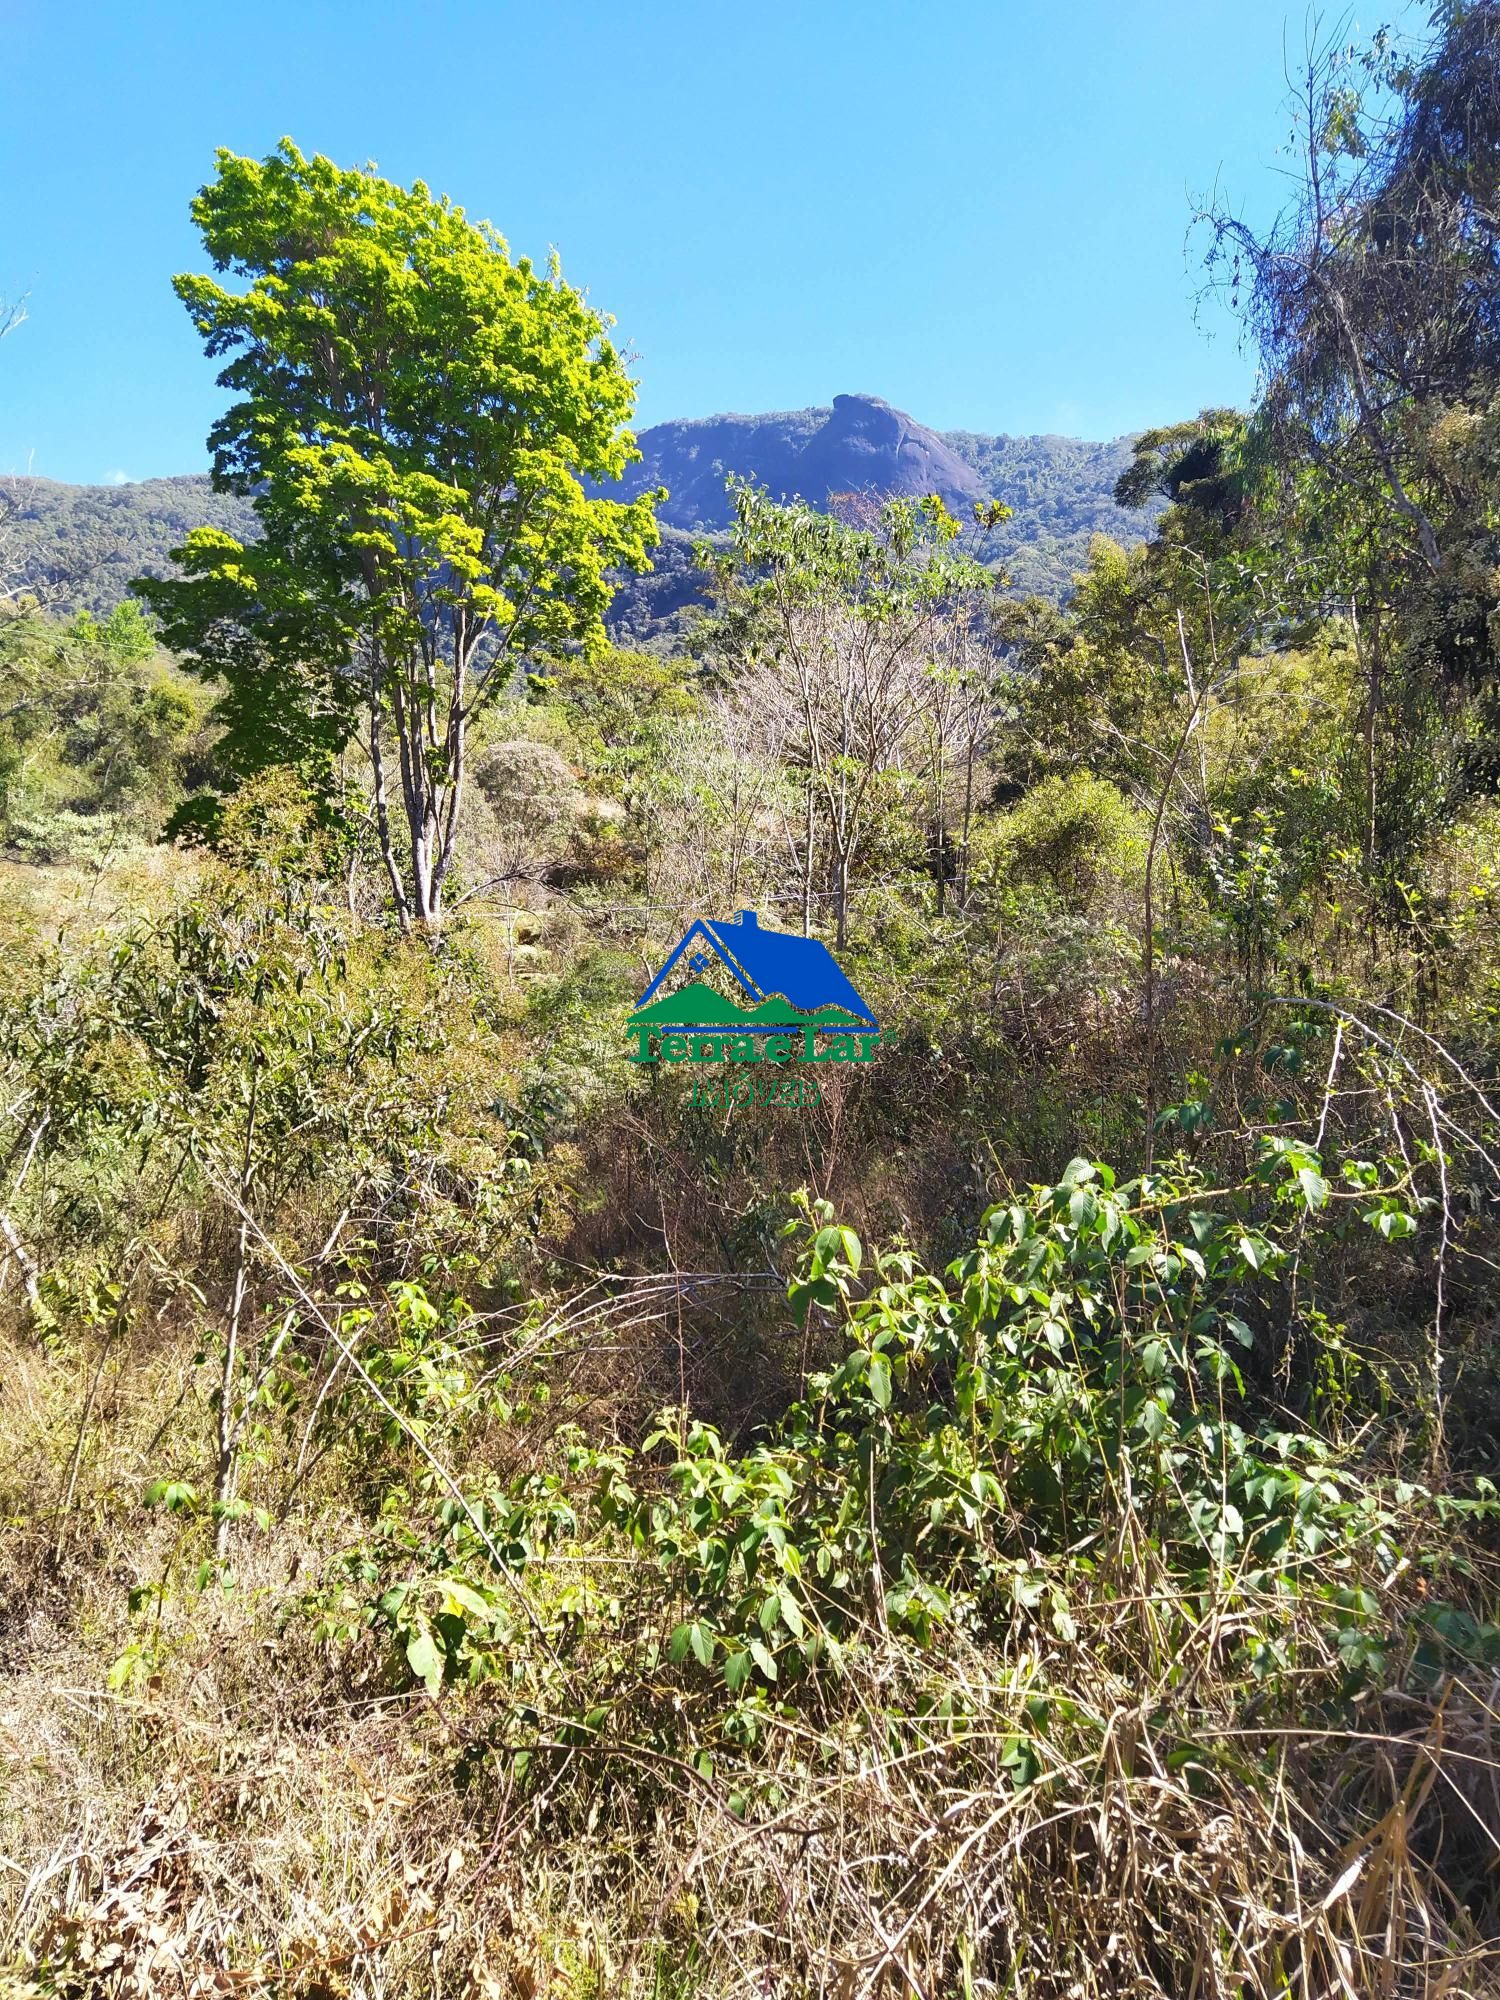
1075 836
1065 1406
100 736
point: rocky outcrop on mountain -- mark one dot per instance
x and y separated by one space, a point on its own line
861 446
1060 491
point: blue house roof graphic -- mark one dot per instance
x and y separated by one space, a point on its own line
765 962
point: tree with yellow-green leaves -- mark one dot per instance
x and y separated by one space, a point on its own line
417 418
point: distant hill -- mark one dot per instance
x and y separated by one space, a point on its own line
79 546
1060 489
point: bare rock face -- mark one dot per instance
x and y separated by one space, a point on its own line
867 447
862 446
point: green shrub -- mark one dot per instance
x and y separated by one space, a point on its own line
1074 836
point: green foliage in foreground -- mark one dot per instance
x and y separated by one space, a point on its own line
1008 1510
1093 1598
1060 1411
99 733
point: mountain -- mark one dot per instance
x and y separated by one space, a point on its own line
1060 491
861 445
78 546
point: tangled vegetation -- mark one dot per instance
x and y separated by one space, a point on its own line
1024 1524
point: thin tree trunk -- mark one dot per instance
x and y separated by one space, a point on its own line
30 1273
1373 696
807 864
225 1468
224 1471
963 878
383 819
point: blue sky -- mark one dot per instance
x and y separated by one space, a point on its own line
974 210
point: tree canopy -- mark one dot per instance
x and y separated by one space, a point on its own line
414 417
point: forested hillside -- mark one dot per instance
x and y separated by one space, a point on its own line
543 1454
78 547
1061 493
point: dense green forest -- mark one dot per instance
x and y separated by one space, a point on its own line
489 1516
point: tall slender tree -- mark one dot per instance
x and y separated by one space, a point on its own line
418 419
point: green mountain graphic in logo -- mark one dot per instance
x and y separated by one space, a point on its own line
698 1006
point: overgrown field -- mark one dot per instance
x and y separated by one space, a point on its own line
1024 1524
444 1556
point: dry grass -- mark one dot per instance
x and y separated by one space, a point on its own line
256 1818
69 900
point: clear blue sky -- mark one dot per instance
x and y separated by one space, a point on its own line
974 210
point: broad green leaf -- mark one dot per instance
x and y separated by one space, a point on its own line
424 1659
879 1377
